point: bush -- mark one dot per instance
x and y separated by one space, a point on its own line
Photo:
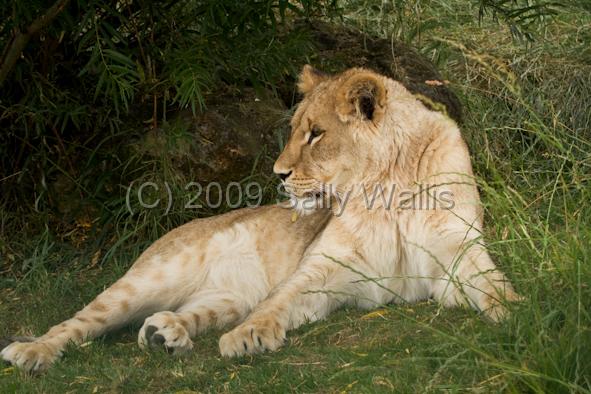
94 72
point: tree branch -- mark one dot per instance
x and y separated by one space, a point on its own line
20 40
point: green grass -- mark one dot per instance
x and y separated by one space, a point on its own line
528 125
407 348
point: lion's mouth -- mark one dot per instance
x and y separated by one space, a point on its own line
305 202
313 195
306 194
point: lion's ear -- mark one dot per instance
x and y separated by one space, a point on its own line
309 78
362 96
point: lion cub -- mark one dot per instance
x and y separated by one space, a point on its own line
264 273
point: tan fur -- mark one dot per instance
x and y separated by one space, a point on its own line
268 273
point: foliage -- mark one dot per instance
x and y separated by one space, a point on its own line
102 69
101 72
527 124
409 20
522 16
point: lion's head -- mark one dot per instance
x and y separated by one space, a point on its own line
341 132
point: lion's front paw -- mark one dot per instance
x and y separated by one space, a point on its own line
252 336
162 329
31 356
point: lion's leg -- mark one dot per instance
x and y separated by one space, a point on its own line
469 277
111 308
310 294
137 294
204 309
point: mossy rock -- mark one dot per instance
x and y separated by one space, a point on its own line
241 127
237 130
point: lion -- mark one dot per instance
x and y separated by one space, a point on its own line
267 270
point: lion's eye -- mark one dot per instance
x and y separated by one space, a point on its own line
314 133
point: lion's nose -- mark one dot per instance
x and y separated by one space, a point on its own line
284 175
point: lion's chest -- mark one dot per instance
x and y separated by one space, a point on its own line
392 277
380 251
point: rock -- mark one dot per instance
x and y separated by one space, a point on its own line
242 127
222 143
